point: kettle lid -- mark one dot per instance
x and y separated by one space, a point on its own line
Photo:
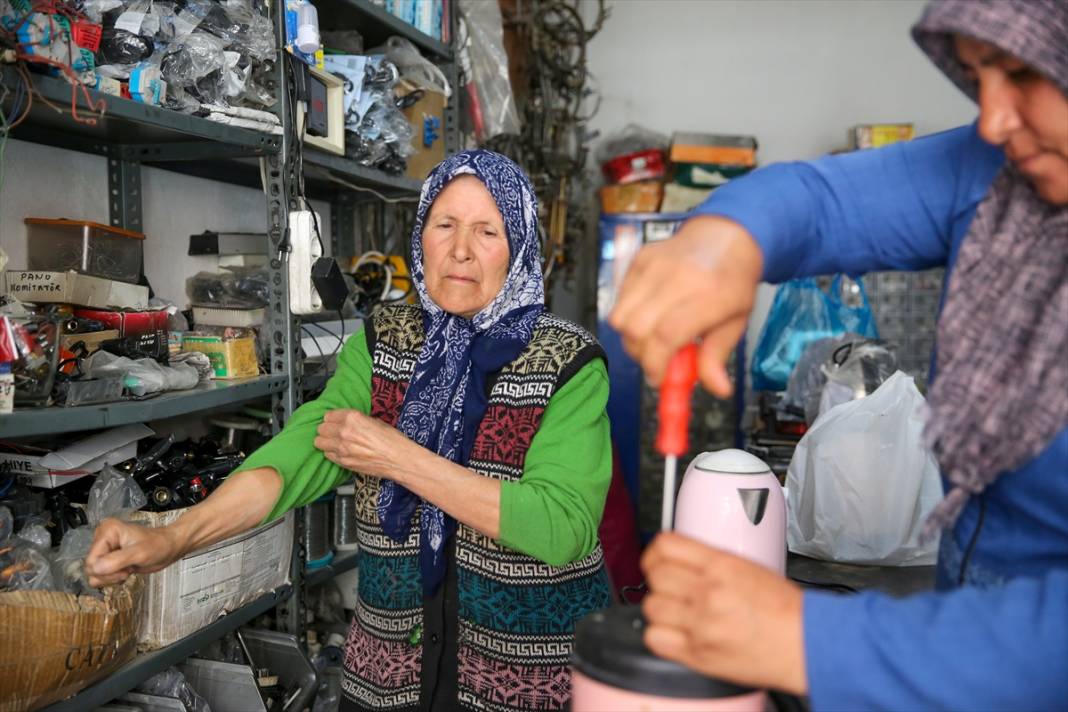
731 462
609 649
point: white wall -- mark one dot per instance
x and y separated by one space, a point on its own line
42 181
796 74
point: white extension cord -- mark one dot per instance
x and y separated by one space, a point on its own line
304 249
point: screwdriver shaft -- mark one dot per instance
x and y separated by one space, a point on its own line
667 509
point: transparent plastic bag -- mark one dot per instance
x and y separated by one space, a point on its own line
861 482
113 494
854 370
7 524
192 58
238 288
35 533
68 564
489 68
632 138
24 568
413 67
807 379
143 376
95 9
172 683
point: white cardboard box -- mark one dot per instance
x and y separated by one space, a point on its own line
191 593
41 286
41 468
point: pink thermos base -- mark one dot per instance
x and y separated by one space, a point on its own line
588 695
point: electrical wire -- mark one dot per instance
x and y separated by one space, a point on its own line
372 191
967 557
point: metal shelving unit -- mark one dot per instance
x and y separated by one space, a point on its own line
145 666
216 394
129 134
130 130
345 562
376 25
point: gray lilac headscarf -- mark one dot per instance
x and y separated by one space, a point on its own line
1001 394
446 397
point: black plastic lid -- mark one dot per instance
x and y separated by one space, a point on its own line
609 649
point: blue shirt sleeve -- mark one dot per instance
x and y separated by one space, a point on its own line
889 208
1003 648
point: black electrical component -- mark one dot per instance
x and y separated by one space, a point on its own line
151 344
318 120
329 283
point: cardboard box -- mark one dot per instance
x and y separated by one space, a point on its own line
72 288
876 135
641 197
230 358
91 340
193 592
54 644
427 117
681 199
129 323
42 468
713 148
706 175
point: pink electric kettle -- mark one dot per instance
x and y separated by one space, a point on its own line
731 500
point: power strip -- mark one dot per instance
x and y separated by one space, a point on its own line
304 250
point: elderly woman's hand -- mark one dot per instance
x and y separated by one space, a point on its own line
366 445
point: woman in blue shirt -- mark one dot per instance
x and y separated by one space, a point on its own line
990 202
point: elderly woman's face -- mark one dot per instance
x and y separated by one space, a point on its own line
1022 111
465 248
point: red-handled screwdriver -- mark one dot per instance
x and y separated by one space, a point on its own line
672 436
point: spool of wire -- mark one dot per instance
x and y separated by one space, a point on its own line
318 551
345 519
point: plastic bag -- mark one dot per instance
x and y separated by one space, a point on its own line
489 70
861 482
856 369
35 533
802 313
142 376
7 524
24 568
68 564
415 68
113 494
172 683
241 288
807 379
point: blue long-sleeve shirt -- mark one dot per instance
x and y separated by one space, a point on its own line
995 634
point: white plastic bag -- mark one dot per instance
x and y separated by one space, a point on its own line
861 481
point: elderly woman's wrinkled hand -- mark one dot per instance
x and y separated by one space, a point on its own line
364 444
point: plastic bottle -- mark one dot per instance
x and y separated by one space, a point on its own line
307 28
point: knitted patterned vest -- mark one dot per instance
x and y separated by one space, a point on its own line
516 614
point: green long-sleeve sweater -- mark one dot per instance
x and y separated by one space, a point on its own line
552 513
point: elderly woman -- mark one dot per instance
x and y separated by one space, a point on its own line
476 426
990 203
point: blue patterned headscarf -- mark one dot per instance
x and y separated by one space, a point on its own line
446 397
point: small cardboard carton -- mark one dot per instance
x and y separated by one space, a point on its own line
43 287
191 593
